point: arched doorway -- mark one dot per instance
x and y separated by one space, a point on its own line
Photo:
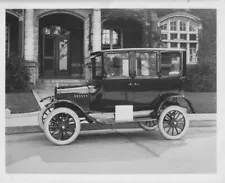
11 34
121 33
61 46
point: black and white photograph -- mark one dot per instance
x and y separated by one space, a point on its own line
112 90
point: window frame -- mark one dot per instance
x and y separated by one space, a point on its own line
156 65
116 77
181 70
175 25
119 32
93 66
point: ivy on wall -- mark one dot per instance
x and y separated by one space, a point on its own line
150 37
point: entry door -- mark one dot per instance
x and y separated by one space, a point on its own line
145 83
55 56
117 82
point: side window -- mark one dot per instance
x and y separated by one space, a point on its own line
170 64
146 64
116 65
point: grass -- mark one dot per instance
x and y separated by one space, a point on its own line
203 102
24 102
21 102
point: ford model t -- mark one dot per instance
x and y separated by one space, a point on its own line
141 85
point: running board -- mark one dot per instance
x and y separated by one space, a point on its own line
135 120
109 118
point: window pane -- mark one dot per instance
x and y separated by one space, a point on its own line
55 30
165 45
115 37
183 45
182 26
193 45
164 27
164 36
98 66
170 64
191 28
173 36
49 47
173 25
173 45
146 64
193 55
183 36
106 36
193 37
116 64
63 48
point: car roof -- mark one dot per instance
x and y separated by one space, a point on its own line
138 49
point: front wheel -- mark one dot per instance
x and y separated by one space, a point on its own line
62 126
173 122
42 115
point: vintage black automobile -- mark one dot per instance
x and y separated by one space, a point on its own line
142 85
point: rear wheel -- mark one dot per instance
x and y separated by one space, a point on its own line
173 123
149 125
62 126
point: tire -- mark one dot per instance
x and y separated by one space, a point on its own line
42 115
176 120
67 122
148 125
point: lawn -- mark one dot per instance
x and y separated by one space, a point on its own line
203 102
25 102
21 102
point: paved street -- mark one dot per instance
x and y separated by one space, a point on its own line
114 151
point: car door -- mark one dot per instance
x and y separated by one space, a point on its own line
170 69
116 82
145 83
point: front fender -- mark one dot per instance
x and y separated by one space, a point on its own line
71 105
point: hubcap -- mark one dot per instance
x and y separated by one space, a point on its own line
174 123
62 126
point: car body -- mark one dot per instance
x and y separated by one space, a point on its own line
141 82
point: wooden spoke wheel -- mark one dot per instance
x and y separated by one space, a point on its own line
62 126
42 115
149 125
173 122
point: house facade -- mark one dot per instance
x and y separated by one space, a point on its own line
56 43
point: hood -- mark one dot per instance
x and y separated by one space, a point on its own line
85 89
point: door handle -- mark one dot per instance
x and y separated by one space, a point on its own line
136 84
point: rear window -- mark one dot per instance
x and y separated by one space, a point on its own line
170 64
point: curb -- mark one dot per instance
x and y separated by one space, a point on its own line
37 99
9 130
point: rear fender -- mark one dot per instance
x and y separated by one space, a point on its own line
170 99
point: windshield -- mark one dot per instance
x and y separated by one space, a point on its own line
97 67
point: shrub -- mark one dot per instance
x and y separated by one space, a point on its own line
201 77
17 74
